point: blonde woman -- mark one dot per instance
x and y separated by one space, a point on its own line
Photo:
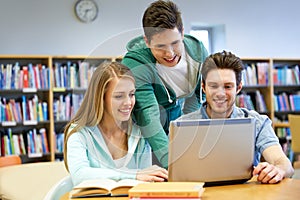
101 141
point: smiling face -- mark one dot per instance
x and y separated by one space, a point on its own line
221 90
119 99
167 47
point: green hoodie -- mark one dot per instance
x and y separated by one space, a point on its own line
156 103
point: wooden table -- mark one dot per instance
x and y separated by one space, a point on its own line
287 189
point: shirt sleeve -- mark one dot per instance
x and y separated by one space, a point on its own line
79 163
265 134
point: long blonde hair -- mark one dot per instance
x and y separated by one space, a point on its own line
91 110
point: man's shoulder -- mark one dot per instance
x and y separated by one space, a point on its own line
137 53
259 118
195 48
190 116
190 38
136 43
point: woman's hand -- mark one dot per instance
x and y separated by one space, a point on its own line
152 174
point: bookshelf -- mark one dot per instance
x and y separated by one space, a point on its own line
280 76
45 94
287 88
71 75
257 84
61 92
277 81
286 97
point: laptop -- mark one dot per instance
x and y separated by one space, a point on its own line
214 151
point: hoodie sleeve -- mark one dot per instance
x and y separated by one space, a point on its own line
84 166
147 110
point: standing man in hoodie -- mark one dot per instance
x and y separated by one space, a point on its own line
166 64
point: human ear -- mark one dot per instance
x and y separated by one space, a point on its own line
147 41
239 88
203 87
182 33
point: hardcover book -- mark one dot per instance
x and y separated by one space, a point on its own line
168 190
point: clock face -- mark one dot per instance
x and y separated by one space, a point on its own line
86 10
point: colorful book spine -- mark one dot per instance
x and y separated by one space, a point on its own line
24 108
296 99
8 76
45 111
25 77
1 76
22 144
40 116
17 149
43 134
31 77
11 141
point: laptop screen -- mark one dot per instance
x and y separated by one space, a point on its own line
211 150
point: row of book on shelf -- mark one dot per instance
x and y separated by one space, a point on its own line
282 102
78 74
32 109
33 142
66 75
14 76
72 75
283 132
286 75
245 100
26 109
65 106
258 74
286 102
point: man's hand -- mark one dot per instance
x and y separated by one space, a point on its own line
268 173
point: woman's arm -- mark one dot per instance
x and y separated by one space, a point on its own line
83 166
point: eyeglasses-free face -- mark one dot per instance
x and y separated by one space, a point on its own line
167 47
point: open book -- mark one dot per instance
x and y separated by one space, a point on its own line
103 187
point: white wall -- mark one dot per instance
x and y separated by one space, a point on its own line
257 28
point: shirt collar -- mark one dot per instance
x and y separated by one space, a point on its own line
204 114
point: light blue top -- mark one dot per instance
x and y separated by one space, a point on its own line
89 158
264 134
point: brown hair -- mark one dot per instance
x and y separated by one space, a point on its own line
223 60
161 15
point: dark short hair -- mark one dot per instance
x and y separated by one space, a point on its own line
223 60
161 15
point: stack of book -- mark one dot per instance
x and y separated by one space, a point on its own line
167 190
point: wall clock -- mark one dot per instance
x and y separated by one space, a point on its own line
86 10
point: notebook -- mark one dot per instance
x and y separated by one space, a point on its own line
214 151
